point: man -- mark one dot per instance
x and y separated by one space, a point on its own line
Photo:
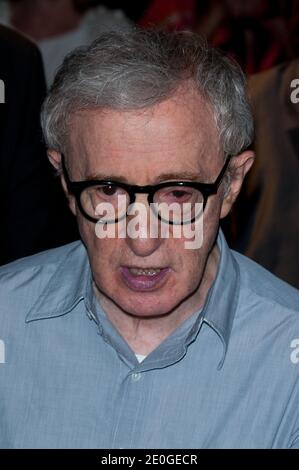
34 214
141 341
264 222
60 26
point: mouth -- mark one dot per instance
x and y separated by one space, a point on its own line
144 279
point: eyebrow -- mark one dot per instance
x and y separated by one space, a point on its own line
106 177
184 175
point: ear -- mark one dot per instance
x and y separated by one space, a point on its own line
239 166
55 160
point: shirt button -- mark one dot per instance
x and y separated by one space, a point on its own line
136 377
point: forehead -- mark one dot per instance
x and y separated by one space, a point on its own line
178 134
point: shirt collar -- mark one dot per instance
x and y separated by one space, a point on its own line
222 299
71 282
67 285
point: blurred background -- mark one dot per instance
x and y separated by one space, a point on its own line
257 33
261 35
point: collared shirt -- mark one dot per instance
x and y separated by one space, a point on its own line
226 378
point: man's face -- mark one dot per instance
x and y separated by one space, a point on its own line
146 147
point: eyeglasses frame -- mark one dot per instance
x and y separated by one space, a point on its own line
76 187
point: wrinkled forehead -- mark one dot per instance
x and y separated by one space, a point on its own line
177 134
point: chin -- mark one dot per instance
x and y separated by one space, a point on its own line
146 304
150 312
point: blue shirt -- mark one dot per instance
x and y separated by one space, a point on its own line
226 378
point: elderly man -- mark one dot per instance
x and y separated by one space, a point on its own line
133 340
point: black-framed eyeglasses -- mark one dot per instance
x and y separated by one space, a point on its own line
173 202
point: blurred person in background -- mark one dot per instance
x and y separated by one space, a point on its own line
252 31
264 223
59 26
34 215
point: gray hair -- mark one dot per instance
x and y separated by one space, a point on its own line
137 69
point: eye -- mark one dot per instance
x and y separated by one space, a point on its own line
175 194
179 194
109 190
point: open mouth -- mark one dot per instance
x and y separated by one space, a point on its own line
142 279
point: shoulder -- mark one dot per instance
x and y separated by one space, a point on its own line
273 82
263 86
17 44
24 281
42 260
266 294
22 65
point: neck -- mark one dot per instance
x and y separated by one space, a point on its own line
145 334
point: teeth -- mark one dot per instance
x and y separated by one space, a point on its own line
144 272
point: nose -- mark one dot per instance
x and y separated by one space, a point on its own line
142 228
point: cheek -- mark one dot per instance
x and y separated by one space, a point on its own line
211 220
72 205
102 252
188 265
194 263
87 232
